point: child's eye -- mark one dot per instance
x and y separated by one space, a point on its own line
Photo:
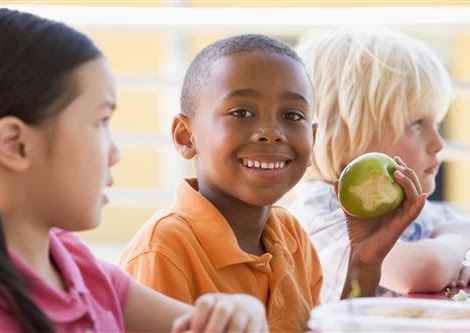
241 113
293 115
417 125
105 121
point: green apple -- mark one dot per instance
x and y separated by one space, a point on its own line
367 188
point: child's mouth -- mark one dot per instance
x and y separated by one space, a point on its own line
265 165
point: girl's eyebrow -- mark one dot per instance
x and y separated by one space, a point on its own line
108 104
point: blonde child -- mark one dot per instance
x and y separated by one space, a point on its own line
57 95
379 90
246 121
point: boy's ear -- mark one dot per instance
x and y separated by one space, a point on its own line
182 136
314 131
13 153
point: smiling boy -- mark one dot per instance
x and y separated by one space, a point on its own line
246 121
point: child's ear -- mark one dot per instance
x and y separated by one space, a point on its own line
182 136
12 144
314 131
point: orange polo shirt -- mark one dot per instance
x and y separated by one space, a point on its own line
191 250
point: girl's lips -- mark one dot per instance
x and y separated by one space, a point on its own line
104 199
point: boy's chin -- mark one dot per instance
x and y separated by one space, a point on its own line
262 201
429 187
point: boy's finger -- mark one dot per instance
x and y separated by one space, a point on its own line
411 192
464 277
399 161
413 176
411 214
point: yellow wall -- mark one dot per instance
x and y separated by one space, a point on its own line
149 73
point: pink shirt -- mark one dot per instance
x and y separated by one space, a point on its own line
96 291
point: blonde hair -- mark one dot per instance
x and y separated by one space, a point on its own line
368 83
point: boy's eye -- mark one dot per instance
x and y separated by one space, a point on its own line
417 125
241 113
293 115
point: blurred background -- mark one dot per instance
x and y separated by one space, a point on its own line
150 44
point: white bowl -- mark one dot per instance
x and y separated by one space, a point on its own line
382 314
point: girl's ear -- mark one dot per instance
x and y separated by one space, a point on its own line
13 152
182 136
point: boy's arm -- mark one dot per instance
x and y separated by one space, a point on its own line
429 264
372 239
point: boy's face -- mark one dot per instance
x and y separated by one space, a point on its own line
419 146
252 128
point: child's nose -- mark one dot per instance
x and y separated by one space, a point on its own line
269 134
114 154
437 142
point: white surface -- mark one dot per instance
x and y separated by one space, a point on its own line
351 316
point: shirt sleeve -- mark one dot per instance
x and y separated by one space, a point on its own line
120 280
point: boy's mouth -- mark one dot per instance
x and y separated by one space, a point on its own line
254 164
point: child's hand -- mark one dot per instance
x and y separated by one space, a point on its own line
223 313
463 279
372 239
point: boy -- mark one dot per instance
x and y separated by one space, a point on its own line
403 96
246 120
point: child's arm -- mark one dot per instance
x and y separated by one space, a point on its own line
429 264
149 311
372 239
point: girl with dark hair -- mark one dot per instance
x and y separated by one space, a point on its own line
57 96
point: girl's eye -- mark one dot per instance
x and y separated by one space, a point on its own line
294 116
242 113
105 121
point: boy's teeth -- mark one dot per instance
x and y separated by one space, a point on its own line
264 165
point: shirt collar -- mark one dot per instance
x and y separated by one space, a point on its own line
214 232
61 306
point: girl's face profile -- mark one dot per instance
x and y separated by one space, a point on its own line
74 166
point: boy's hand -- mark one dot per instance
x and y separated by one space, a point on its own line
372 239
224 313
463 278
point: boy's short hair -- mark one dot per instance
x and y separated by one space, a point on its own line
198 72
368 84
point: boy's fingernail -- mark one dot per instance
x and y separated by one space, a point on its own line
399 174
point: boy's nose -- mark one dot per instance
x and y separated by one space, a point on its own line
269 134
437 142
